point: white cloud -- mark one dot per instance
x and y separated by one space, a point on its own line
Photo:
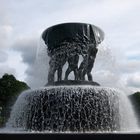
27 48
129 66
6 69
134 80
15 62
23 22
3 56
5 36
32 61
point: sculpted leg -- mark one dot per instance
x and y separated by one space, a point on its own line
60 61
89 76
67 73
51 76
75 66
52 70
83 75
80 71
76 74
82 68
59 74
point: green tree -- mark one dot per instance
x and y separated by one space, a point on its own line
135 100
10 88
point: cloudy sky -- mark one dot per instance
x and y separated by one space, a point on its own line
23 21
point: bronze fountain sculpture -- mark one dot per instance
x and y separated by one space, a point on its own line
66 42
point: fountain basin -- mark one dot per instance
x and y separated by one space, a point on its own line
70 109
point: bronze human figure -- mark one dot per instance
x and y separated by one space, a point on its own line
73 59
87 63
83 65
90 64
56 64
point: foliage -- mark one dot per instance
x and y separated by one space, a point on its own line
10 88
137 96
135 99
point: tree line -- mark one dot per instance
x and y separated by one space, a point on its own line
10 88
